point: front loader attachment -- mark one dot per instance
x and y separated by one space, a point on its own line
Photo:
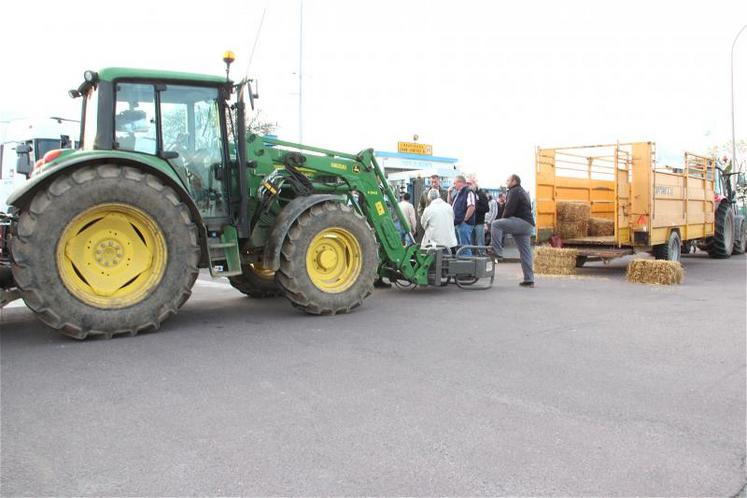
464 271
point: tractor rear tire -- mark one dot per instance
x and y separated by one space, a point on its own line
672 250
328 261
721 245
256 282
90 261
740 244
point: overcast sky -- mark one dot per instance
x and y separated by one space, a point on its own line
485 82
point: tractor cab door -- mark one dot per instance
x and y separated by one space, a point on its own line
183 125
193 143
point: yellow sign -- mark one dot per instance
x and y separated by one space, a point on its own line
414 148
379 208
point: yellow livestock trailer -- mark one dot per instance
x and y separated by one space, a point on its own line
654 208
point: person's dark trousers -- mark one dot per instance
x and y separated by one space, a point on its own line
522 233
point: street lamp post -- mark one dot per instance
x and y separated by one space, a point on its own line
733 135
300 71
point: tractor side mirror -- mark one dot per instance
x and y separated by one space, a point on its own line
23 161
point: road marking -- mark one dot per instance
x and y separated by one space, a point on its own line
212 283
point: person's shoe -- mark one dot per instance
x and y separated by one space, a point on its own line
494 256
526 284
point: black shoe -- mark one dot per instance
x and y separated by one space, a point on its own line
495 258
526 284
380 284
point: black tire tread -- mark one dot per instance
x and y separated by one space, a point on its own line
293 289
24 250
739 244
253 285
661 251
716 245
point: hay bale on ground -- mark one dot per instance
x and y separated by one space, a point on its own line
573 219
655 271
600 227
553 261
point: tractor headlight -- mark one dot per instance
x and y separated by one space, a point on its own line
90 76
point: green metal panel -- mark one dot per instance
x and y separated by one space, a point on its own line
114 73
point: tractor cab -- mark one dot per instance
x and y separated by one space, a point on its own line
176 118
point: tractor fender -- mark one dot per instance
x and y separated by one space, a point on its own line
283 222
26 192
23 195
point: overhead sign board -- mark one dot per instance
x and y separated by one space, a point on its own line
414 148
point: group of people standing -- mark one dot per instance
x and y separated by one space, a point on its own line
461 215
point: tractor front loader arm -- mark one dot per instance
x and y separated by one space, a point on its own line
357 177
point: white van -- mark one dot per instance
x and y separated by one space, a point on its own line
24 142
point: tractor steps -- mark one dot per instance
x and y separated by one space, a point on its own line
223 253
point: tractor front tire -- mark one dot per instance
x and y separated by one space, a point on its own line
105 250
256 282
721 245
328 261
672 250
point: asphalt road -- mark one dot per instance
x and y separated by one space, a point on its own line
580 386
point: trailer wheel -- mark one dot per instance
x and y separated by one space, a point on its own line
256 281
721 245
670 251
740 244
328 261
90 261
581 261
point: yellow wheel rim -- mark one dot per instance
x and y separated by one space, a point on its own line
111 256
262 272
333 260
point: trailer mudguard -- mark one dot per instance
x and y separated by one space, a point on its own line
283 222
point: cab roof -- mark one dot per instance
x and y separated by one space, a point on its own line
113 73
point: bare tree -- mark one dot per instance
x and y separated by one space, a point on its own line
258 124
724 149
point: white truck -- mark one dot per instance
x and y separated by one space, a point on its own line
24 142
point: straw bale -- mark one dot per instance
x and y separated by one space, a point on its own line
554 261
655 271
573 219
600 227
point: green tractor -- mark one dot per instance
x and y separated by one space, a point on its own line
109 238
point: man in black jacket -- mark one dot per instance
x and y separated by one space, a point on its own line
517 220
482 206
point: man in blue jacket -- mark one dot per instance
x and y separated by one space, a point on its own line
463 202
517 220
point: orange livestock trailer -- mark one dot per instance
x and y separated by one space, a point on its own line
654 208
